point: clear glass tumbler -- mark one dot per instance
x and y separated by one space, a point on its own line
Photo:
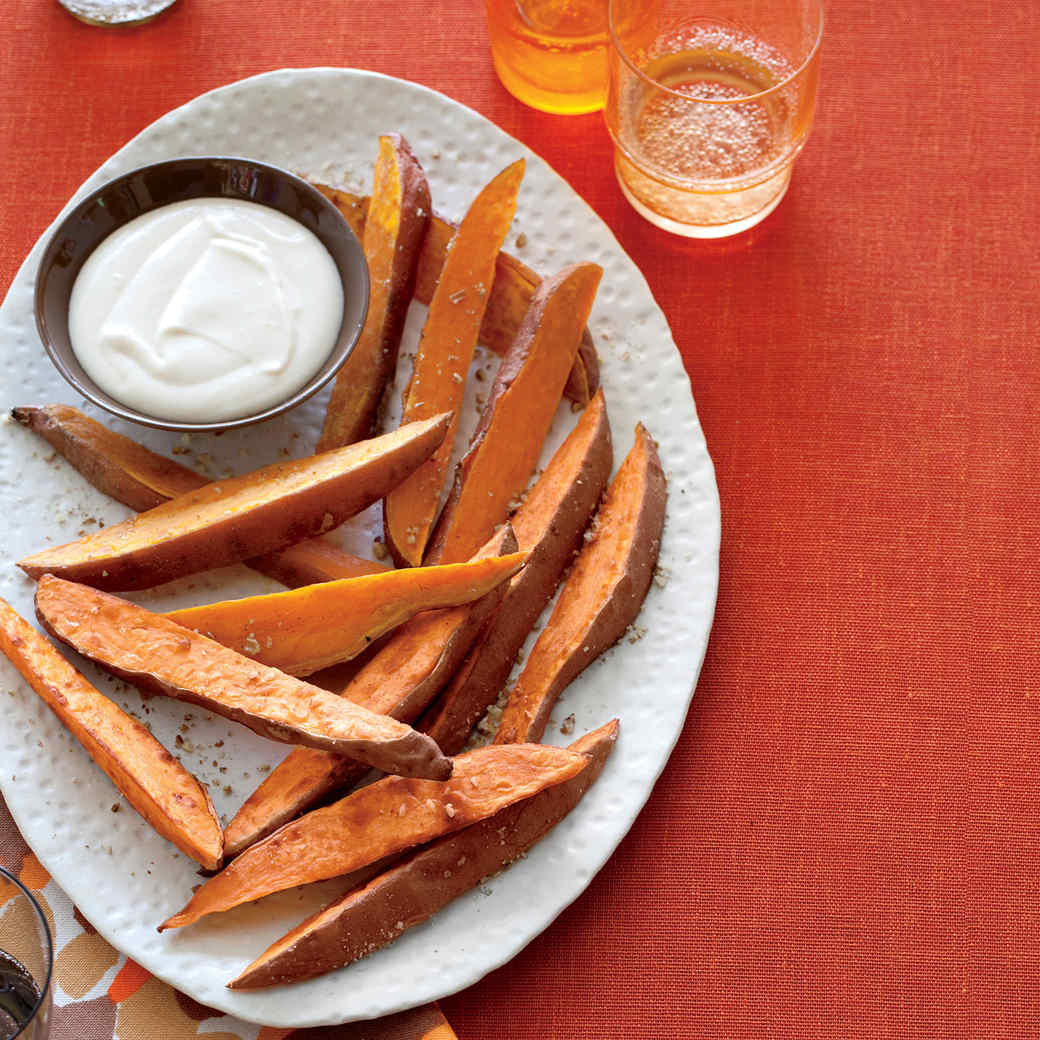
709 103
551 54
26 959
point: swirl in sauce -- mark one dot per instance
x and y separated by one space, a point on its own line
206 310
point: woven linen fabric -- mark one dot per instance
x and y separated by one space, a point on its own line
844 843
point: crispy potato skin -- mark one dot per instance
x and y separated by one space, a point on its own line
142 479
549 524
379 820
508 300
519 412
398 215
245 516
602 594
305 630
157 654
400 680
374 914
169 798
120 467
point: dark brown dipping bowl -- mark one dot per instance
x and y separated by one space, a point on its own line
148 188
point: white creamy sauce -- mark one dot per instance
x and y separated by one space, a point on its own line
206 310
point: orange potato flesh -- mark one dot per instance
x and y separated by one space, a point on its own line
245 516
519 412
507 302
602 595
142 479
443 357
158 654
372 915
308 629
169 798
398 215
388 816
399 680
549 525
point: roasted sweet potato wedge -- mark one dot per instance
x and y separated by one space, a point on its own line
170 799
443 357
158 654
388 816
412 890
308 629
398 215
399 680
245 516
519 411
549 524
142 479
120 467
602 594
507 302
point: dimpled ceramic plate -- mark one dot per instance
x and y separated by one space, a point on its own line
123 877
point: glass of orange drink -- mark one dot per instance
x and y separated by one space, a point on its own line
551 54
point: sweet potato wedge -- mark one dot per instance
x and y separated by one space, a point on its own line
169 798
549 524
157 654
519 411
120 467
510 292
443 357
245 516
308 629
399 680
398 215
142 479
602 594
388 816
375 914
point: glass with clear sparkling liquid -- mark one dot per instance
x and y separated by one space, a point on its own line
709 103
115 12
26 958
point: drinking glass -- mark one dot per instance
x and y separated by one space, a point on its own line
26 958
551 54
709 103
115 12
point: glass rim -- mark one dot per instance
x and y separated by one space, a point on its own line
775 88
49 947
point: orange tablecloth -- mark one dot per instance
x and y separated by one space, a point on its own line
845 841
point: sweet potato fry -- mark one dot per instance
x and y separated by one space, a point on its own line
388 816
519 411
245 516
311 628
141 479
443 357
120 467
398 215
373 915
399 680
507 302
602 594
169 798
157 654
549 524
